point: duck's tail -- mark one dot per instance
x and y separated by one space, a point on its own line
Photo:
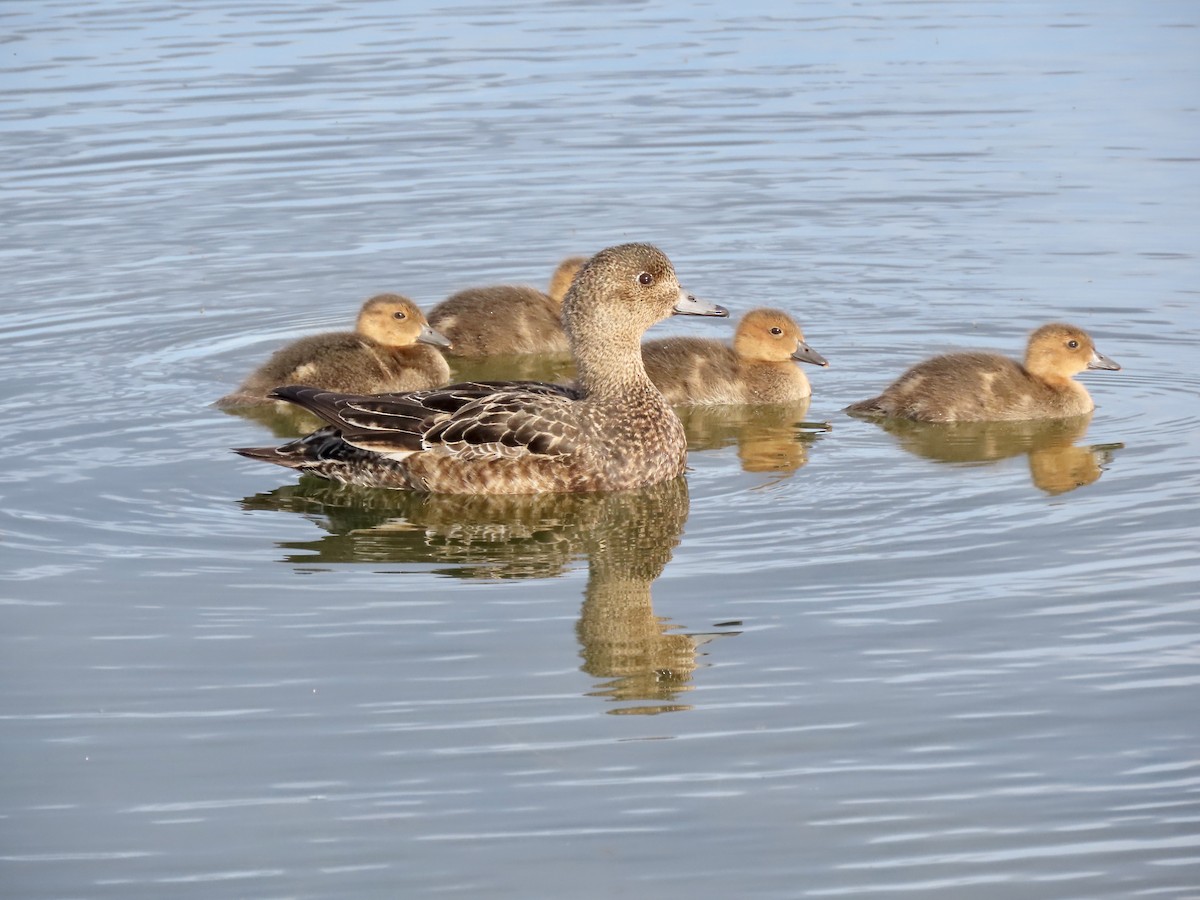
322 446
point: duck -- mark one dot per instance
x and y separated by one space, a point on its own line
989 387
392 348
507 319
758 369
612 430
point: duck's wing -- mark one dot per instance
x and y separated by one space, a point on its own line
476 419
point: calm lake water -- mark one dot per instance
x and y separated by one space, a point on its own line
838 661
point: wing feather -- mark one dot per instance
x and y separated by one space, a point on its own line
473 420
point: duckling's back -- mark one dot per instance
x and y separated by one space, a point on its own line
346 362
707 372
692 370
501 319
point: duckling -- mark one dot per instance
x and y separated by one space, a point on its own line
560 281
391 349
507 318
987 387
611 431
759 367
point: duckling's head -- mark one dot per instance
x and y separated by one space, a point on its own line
1058 351
623 290
395 321
560 281
771 335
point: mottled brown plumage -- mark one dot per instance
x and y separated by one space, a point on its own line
391 349
507 319
615 431
983 387
759 368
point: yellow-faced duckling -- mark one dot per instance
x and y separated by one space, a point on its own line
611 431
507 318
760 367
391 349
560 281
987 387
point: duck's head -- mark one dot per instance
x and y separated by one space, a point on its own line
1058 351
560 281
395 321
623 290
771 335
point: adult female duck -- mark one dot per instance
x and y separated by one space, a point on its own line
611 431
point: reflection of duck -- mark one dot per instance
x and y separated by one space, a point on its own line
392 348
627 539
984 387
760 366
1055 463
772 438
507 319
614 431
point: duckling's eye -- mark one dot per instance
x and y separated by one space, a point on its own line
399 315
1073 345
645 278
776 330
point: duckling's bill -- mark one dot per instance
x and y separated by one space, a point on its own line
687 305
429 335
1100 361
805 353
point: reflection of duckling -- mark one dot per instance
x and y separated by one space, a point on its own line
1055 463
387 351
981 387
758 368
506 318
772 438
627 539
556 367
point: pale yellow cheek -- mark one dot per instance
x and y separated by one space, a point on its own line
305 371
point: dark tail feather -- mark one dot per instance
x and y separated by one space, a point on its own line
321 445
271 455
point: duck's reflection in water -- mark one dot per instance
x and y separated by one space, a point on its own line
774 438
626 538
1056 463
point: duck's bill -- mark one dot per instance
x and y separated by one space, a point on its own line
687 305
429 336
805 353
1100 361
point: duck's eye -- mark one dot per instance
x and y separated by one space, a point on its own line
399 315
645 278
1073 345
776 330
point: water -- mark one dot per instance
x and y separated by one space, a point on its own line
837 662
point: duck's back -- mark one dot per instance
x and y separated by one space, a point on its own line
975 387
501 319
